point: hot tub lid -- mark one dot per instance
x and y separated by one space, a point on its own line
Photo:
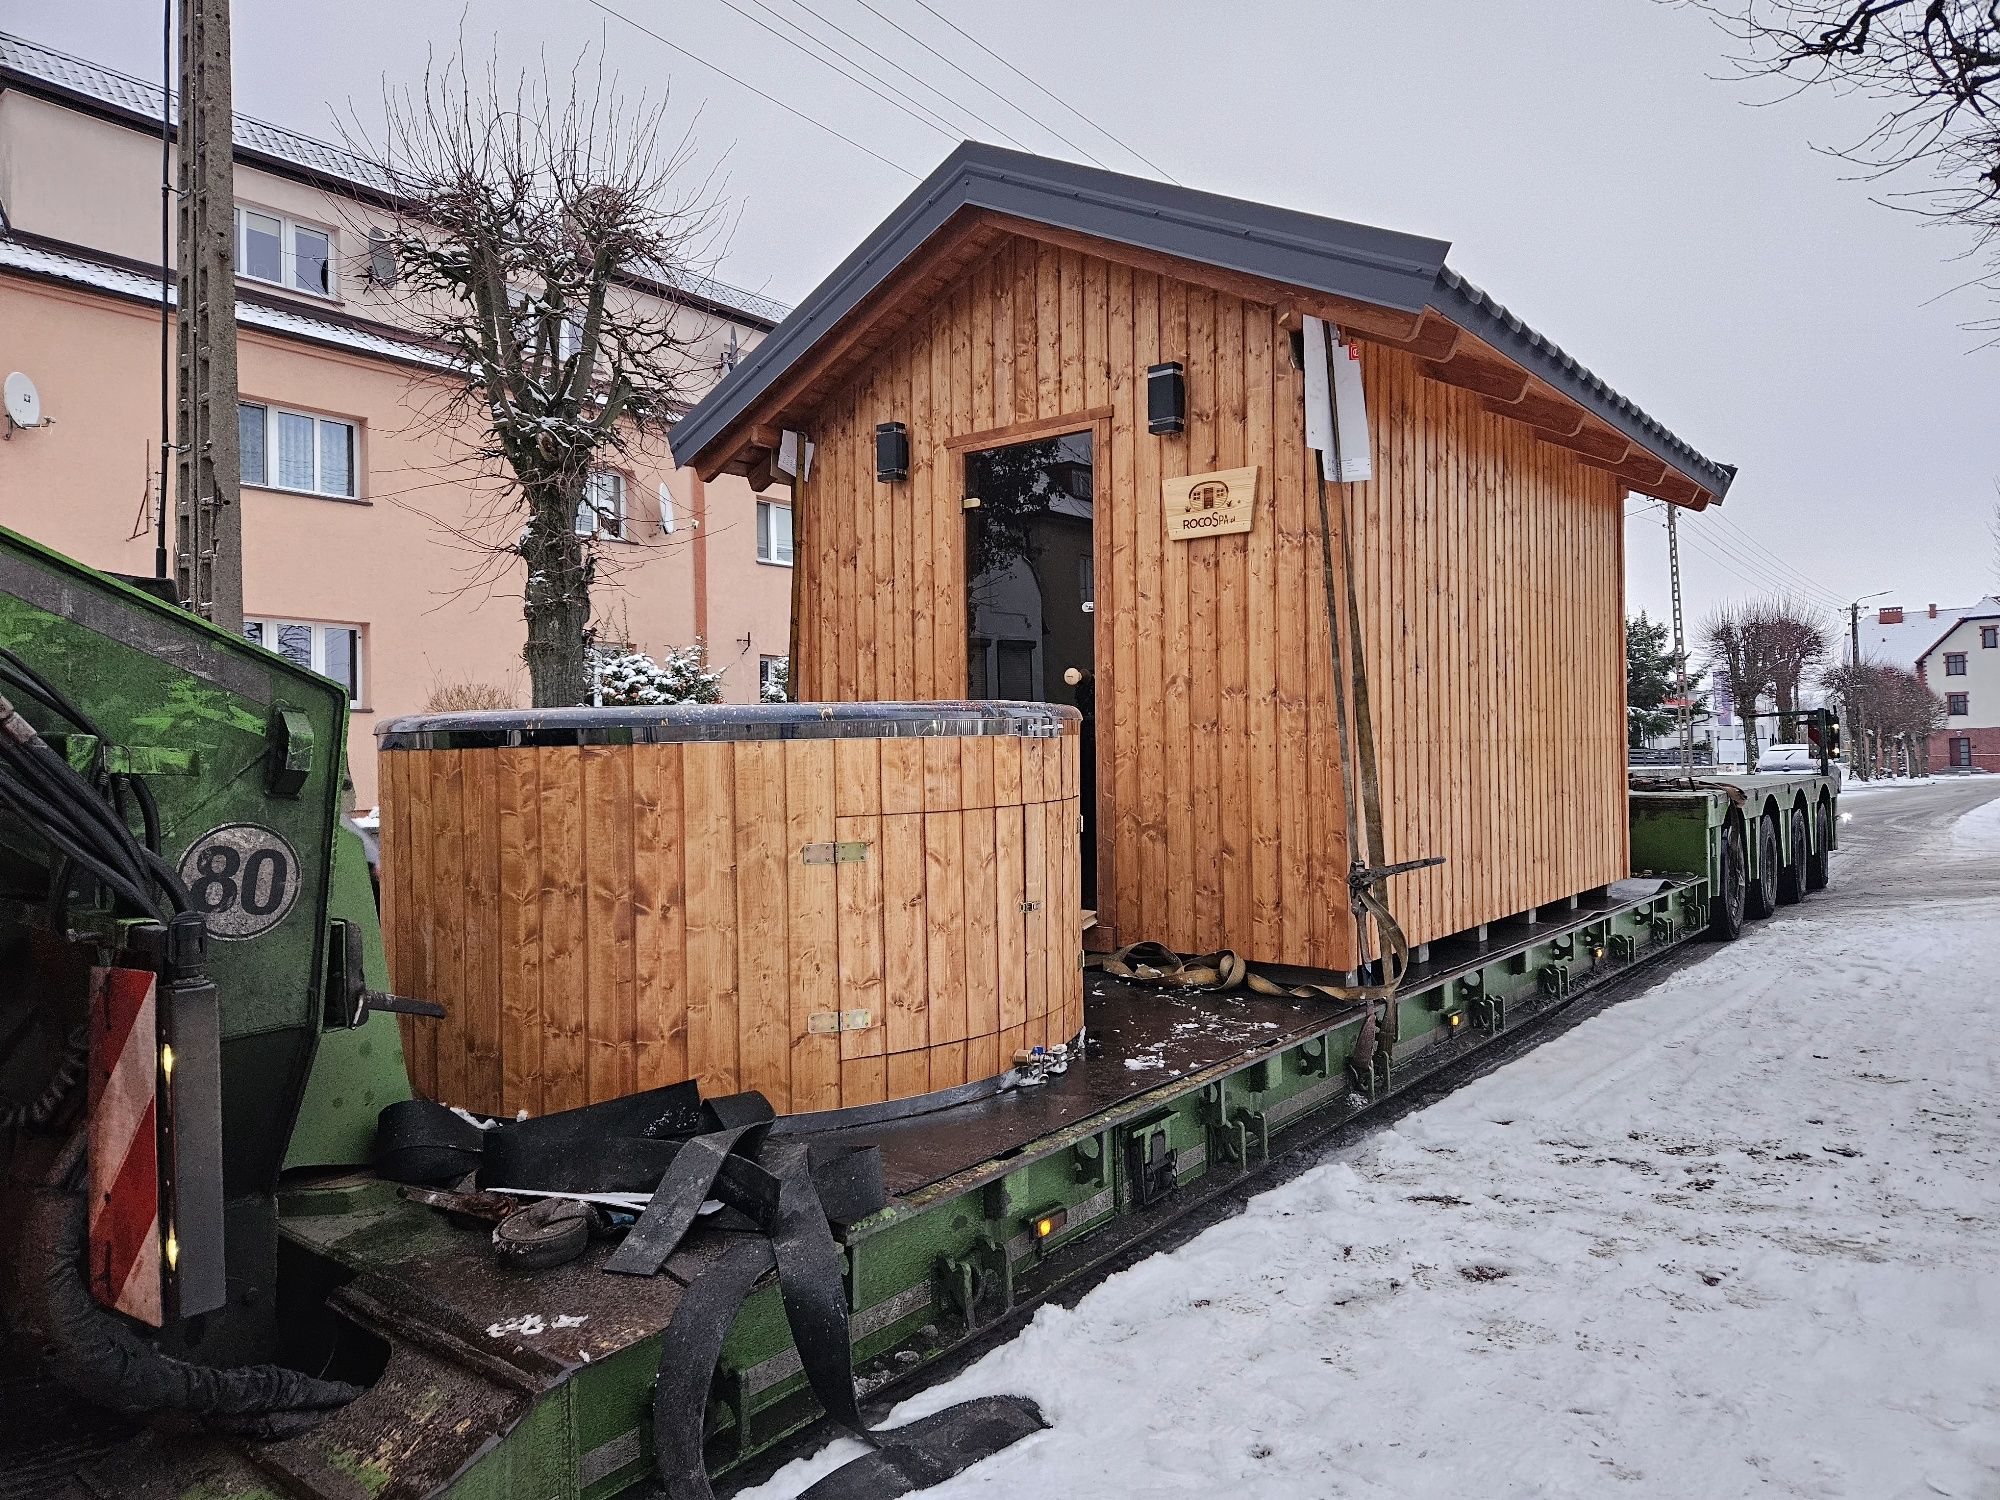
489 729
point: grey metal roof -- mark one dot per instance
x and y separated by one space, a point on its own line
1477 313
57 73
1377 266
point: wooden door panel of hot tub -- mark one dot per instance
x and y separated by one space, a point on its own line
601 919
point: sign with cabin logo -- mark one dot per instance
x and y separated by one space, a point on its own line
1215 504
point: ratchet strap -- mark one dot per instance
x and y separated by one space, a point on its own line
770 1182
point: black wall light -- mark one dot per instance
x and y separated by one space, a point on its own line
1166 398
892 453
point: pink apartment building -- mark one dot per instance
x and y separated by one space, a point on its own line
349 495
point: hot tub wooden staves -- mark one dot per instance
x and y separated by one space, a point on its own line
836 906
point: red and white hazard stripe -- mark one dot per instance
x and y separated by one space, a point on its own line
125 1270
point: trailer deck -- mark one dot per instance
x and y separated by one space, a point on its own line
486 1382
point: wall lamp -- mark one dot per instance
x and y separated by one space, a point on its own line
1166 398
892 453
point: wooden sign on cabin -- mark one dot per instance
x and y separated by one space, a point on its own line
1210 504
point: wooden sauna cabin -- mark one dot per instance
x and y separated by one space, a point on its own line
838 905
993 415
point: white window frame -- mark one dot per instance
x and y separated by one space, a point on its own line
269 625
288 252
764 666
766 551
590 517
272 411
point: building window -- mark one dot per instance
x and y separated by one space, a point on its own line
774 533
1957 703
1961 753
291 450
1954 664
284 252
603 510
1989 636
330 650
772 675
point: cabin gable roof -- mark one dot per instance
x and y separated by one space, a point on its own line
1377 284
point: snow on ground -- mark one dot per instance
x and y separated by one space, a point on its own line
1852 786
1738 1235
1978 832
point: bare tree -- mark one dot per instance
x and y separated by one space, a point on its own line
1933 65
532 235
1769 647
1896 712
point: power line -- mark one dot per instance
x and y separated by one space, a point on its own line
1749 539
929 119
1756 574
1133 150
964 109
675 47
979 82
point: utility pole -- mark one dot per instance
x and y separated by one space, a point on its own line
1847 703
1850 701
208 514
1685 713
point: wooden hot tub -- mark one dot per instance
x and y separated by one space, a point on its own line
838 905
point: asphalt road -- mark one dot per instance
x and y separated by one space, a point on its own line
1893 843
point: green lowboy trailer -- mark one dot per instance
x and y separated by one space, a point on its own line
412 1362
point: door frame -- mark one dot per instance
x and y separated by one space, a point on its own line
1095 420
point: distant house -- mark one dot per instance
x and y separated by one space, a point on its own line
1961 664
1897 637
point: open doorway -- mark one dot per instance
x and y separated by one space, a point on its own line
1031 592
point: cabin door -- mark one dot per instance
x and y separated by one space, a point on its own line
1031 598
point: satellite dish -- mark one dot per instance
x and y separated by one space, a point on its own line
24 402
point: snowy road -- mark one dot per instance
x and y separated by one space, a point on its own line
1739 1235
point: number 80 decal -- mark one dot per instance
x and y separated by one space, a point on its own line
242 877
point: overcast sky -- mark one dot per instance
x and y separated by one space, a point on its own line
1593 163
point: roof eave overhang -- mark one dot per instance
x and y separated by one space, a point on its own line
1293 257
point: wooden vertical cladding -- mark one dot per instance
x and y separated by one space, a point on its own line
1487 567
606 917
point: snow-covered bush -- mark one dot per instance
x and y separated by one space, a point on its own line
632 679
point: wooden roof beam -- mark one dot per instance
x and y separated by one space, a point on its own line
1434 338
1677 489
1503 383
1641 471
1594 441
1545 413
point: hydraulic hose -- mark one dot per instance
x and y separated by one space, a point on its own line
99 1356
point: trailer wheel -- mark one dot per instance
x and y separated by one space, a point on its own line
1762 897
1819 868
1792 876
1725 911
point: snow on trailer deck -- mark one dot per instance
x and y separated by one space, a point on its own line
1733 1236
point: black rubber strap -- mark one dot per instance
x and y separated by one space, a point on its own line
689 1349
810 1282
931 1449
773 1182
688 1183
